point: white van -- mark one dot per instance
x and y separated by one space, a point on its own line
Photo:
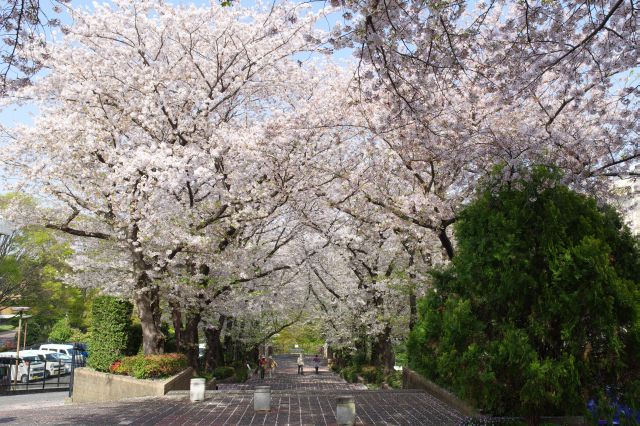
53 364
28 369
63 349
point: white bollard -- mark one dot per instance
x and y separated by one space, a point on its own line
262 398
346 412
196 391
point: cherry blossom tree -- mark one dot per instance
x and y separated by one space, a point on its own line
210 159
152 118
453 89
22 23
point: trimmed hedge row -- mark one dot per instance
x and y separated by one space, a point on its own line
150 366
111 320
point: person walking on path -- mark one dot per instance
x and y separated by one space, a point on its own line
301 365
271 366
316 363
262 365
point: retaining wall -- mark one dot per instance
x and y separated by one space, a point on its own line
94 386
413 380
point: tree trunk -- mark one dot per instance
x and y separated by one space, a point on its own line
214 356
190 339
446 243
382 351
176 318
254 354
229 350
187 334
413 310
147 299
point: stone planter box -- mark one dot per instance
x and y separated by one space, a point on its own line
93 386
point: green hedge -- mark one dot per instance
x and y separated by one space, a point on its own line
150 366
242 374
371 374
350 374
111 320
394 380
221 373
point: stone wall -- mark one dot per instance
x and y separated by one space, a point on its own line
93 386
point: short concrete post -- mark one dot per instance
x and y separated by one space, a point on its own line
262 398
346 412
196 392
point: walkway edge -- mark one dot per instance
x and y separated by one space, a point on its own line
413 380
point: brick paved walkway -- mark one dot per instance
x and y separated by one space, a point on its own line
295 400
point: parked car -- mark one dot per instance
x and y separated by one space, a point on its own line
82 348
27 371
66 359
53 364
64 349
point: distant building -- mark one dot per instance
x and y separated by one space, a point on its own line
5 228
628 193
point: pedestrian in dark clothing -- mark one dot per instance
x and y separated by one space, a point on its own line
316 362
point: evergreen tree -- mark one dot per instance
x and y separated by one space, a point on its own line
539 309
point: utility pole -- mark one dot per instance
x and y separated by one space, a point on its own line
19 310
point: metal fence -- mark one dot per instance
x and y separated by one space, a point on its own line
25 376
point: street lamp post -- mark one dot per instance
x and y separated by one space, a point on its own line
19 310
24 335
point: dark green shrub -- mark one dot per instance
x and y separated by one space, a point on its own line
224 372
241 373
350 374
359 359
150 366
111 319
134 339
394 380
371 374
35 331
170 344
61 331
539 308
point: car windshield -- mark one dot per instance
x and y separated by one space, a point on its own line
52 357
30 358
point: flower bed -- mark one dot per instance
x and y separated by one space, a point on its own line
150 366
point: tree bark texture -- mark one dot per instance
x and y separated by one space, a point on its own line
382 351
187 334
214 356
147 301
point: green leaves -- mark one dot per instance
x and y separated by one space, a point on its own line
540 307
150 366
109 331
62 332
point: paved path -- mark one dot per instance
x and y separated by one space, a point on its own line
32 400
296 400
